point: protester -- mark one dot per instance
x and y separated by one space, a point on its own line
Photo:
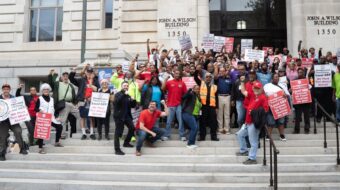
263 75
237 97
145 128
105 121
336 92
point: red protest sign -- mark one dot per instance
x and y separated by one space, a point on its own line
43 126
229 44
301 93
278 105
189 82
307 62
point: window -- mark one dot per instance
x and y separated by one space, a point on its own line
241 25
32 82
108 13
239 5
215 5
46 18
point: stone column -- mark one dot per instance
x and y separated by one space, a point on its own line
203 20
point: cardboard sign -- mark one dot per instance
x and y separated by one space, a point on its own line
208 42
42 128
307 62
99 104
322 76
229 44
246 44
219 42
4 110
125 66
278 105
189 82
252 55
185 42
300 91
18 110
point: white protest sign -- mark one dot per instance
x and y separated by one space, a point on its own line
4 110
322 76
185 42
135 114
208 42
18 110
252 55
219 42
125 66
99 104
246 44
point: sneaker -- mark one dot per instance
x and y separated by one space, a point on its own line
99 137
58 145
306 131
87 131
249 162
23 151
201 139
93 137
133 139
193 146
183 139
215 139
164 138
127 145
83 137
283 138
119 152
138 153
42 151
107 137
267 138
241 153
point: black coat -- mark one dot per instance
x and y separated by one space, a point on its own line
120 108
259 117
81 84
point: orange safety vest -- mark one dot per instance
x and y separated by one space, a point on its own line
204 92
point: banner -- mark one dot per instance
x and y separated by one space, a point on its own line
185 42
246 44
189 82
4 110
252 55
99 104
307 62
135 114
322 76
18 110
105 74
208 42
219 42
229 44
279 105
42 128
300 91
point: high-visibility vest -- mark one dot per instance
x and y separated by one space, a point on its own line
204 93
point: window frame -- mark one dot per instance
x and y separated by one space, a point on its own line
38 8
104 15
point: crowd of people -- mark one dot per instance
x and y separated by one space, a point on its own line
228 93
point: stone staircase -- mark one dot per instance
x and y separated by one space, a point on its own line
85 165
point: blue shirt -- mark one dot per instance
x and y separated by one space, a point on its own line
223 85
156 94
264 78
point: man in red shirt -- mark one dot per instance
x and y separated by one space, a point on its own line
176 89
248 129
145 126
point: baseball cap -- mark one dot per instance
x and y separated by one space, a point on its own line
257 85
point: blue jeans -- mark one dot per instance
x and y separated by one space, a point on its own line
338 109
142 135
190 120
253 134
241 112
172 111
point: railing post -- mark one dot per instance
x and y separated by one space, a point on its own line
271 163
315 113
275 170
337 144
264 149
324 132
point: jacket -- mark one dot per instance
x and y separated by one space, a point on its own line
259 118
55 88
188 102
81 84
120 108
147 96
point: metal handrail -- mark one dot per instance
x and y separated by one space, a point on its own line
273 181
333 120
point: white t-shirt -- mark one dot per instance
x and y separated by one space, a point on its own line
270 89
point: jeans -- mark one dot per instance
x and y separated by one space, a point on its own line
253 133
241 112
190 120
338 109
172 111
142 135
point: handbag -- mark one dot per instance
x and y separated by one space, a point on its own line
60 105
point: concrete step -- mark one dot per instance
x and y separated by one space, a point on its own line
38 184
167 177
166 167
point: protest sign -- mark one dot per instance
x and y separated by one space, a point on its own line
4 110
135 114
18 110
99 104
278 105
189 82
307 62
105 74
185 42
301 93
125 66
208 42
252 55
219 42
42 128
246 44
322 76
229 44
